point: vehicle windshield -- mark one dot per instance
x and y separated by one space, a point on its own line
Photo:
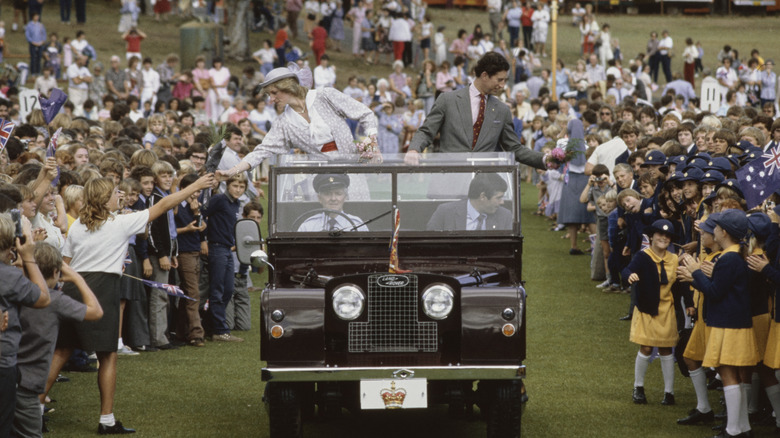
444 193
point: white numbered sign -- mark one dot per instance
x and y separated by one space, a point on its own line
28 101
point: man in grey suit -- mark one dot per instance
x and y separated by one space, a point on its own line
481 211
471 112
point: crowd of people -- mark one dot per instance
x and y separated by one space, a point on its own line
653 177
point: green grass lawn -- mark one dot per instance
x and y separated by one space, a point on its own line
580 373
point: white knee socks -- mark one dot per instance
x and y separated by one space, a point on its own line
773 393
699 380
733 396
640 369
667 368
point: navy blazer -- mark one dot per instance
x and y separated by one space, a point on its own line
726 295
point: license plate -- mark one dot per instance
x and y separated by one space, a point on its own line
393 394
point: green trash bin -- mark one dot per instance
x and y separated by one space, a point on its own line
198 39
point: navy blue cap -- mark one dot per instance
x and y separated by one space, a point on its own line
734 222
721 164
654 158
324 181
744 145
733 159
711 197
699 162
760 225
701 156
712 176
675 177
692 174
679 160
732 184
708 226
661 226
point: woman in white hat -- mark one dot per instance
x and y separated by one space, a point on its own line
313 121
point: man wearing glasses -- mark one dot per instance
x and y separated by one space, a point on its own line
197 155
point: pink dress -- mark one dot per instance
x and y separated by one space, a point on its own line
199 74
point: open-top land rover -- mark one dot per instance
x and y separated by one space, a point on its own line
406 294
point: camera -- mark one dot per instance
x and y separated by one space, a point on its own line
17 218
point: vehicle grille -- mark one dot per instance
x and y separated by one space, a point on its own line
392 321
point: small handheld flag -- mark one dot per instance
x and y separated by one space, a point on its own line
51 106
6 128
170 289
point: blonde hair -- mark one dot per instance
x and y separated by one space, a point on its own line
290 86
162 167
157 117
611 195
143 157
7 231
72 194
60 121
36 118
239 177
97 193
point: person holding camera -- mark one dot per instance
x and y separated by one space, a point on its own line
598 186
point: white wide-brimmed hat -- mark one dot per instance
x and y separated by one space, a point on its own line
277 75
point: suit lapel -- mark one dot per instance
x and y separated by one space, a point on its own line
466 119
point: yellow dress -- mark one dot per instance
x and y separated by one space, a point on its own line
697 344
659 330
731 346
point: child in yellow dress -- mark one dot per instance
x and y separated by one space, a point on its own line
653 324
731 345
694 351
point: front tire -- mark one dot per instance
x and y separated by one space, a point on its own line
284 410
503 406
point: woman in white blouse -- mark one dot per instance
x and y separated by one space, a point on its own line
219 77
313 121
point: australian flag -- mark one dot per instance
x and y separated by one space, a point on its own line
6 128
170 289
51 106
760 177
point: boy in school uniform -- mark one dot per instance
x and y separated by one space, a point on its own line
221 212
39 336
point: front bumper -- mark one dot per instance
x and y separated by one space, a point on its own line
331 374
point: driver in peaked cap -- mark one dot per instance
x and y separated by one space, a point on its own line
331 193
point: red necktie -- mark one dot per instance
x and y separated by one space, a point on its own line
480 119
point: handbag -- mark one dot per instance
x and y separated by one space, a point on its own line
682 342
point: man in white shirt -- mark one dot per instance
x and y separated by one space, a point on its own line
79 79
597 78
324 74
150 83
331 194
495 15
665 52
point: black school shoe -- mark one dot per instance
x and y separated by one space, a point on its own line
639 395
116 429
697 417
668 399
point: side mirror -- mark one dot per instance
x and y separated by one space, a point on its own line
248 240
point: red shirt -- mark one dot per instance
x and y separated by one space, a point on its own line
525 19
281 37
134 43
318 35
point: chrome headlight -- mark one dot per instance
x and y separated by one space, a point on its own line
438 301
348 302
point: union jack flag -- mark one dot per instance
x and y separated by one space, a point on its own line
6 128
170 289
645 242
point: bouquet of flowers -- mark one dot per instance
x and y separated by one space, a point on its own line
367 149
563 153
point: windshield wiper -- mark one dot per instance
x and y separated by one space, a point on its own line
336 233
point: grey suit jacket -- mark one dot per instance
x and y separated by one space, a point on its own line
451 116
453 216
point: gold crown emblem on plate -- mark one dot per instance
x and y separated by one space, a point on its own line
393 398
